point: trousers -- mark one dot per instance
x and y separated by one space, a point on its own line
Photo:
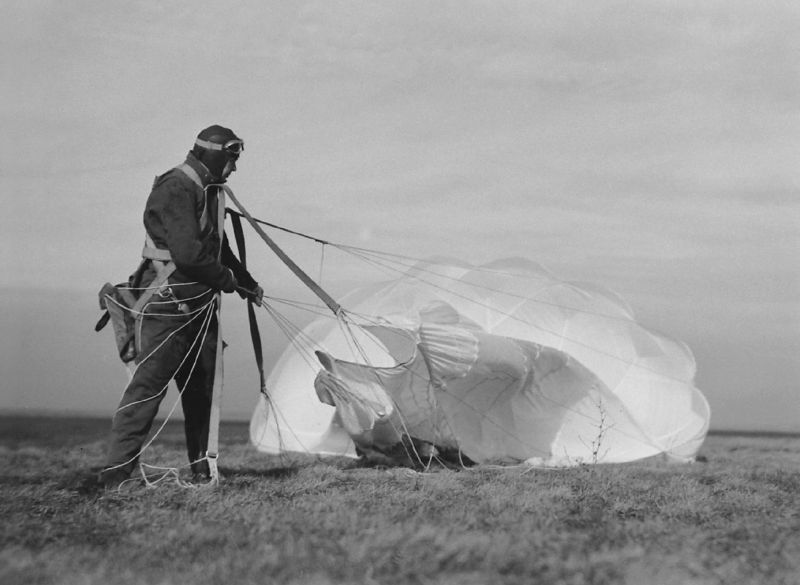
171 345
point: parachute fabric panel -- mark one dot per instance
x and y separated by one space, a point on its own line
503 362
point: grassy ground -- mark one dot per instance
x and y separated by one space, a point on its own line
732 519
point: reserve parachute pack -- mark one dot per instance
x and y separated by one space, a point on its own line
118 302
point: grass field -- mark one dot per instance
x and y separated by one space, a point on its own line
732 519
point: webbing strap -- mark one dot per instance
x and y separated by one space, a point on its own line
159 254
212 450
307 280
191 173
162 262
159 281
153 252
255 335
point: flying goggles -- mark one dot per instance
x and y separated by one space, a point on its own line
233 147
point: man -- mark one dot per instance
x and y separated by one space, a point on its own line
187 261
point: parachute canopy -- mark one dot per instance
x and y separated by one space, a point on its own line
499 363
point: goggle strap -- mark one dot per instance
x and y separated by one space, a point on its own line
214 146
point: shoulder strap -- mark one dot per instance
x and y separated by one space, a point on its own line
191 173
212 446
255 335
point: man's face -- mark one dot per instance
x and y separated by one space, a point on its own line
230 166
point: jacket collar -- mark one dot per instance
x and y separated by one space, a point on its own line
201 169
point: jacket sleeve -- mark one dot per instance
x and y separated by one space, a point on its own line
193 257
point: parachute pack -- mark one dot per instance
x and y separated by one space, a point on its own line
118 302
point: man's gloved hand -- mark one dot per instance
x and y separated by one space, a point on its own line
252 294
257 296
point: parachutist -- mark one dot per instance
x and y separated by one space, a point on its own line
187 264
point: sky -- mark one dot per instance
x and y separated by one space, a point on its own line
649 147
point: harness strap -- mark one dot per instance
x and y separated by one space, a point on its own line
255 335
212 450
162 262
191 173
158 284
152 253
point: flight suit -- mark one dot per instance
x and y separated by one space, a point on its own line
176 336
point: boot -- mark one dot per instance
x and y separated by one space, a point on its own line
200 472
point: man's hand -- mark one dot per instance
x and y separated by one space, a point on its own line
257 296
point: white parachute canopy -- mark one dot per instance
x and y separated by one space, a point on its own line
500 363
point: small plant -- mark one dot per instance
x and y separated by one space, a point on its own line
596 446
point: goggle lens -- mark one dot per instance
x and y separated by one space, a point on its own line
235 147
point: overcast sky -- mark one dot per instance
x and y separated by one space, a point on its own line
651 147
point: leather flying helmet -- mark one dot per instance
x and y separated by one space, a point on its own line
218 148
